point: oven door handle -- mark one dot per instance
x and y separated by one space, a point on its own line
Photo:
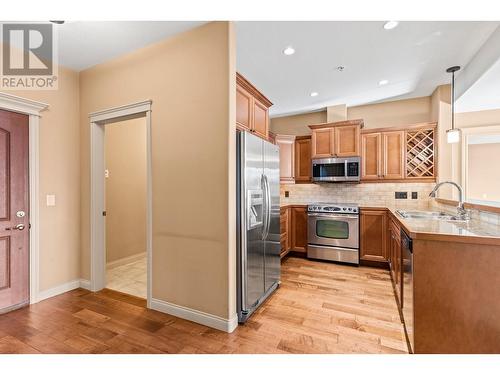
330 216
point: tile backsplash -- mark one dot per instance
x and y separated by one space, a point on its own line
365 194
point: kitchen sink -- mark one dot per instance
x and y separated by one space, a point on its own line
429 215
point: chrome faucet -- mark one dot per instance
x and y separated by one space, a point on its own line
462 212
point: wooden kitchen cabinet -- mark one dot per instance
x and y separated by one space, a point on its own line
382 156
293 226
322 143
243 108
393 155
404 153
260 119
371 156
286 145
298 229
346 140
252 108
285 231
303 159
395 258
373 230
336 139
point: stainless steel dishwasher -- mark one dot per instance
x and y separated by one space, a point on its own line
407 298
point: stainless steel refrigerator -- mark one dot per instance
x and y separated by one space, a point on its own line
258 221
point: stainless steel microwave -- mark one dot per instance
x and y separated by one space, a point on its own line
336 169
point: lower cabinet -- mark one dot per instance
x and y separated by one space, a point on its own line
380 241
395 256
285 231
293 223
298 220
373 231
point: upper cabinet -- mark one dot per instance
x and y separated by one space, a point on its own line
323 143
420 153
371 156
252 108
347 140
393 155
295 158
243 108
286 144
398 153
303 159
336 139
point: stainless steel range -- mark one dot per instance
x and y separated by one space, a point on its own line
333 232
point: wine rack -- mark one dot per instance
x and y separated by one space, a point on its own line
420 153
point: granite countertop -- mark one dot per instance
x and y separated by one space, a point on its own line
472 231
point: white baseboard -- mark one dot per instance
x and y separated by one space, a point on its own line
63 288
59 289
126 260
85 284
222 324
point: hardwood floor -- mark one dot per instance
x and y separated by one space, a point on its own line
319 308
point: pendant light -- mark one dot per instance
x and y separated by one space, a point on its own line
453 135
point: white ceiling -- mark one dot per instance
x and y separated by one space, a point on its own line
484 94
85 44
413 57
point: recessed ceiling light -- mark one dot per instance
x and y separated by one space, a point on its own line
340 68
289 51
383 82
389 25
314 94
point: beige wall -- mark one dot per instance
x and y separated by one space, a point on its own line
478 118
399 112
190 79
126 188
59 175
483 175
379 115
297 124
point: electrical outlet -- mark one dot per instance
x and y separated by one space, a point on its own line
414 195
287 193
401 195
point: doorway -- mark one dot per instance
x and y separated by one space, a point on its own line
126 200
100 122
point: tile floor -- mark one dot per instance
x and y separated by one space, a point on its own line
129 278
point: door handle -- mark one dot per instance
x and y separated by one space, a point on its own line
268 207
17 227
264 206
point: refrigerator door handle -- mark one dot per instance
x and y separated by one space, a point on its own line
268 206
265 218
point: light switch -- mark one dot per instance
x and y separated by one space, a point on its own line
106 173
51 200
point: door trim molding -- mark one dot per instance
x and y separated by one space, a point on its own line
97 228
31 108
